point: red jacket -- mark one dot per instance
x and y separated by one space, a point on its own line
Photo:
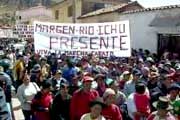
40 103
112 112
80 103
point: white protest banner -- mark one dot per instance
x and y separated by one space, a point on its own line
103 39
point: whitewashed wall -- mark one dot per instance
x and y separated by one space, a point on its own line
144 36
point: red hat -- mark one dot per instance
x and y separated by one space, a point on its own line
87 79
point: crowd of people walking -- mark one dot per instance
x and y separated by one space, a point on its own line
144 86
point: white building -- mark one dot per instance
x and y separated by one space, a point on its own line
155 29
39 13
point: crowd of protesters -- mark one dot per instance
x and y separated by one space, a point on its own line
141 87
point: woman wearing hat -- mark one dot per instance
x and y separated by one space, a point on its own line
163 110
111 111
96 107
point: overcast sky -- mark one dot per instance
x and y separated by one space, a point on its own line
157 3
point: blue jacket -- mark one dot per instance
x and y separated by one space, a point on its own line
69 73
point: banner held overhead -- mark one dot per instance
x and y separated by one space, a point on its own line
103 39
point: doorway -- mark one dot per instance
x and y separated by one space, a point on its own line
168 42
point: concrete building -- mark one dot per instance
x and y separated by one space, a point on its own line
155 29
67 11
39 13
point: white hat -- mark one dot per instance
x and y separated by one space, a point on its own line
108 92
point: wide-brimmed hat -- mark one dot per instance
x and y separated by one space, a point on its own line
98 101
163 103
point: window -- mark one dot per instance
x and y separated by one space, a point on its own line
19 17
57 14
70 11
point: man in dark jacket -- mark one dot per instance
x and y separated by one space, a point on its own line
56 81
61 103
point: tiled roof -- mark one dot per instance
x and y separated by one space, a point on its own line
151 9
107 10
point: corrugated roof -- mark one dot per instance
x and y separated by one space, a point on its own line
107 10
151 9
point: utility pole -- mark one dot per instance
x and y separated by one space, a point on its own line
74 10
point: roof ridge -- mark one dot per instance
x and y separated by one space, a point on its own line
151 9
